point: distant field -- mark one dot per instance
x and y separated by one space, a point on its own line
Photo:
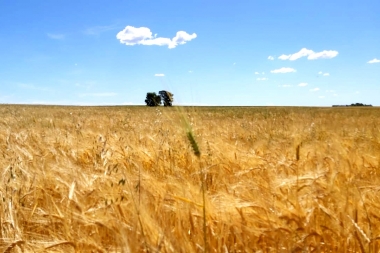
126 179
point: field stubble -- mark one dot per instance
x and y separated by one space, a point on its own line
126 179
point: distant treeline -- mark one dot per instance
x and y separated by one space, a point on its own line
356 104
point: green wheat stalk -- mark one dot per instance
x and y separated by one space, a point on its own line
197 153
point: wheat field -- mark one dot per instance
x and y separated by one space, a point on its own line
130 179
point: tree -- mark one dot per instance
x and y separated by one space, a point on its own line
152 99
167 97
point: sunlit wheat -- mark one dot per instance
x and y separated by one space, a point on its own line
233 179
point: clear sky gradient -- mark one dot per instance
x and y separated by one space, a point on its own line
267 52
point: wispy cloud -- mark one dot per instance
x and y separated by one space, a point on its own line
104 94
159 74
131 36
315 89
262 79
32 87
271 58
323 74
311 55
96 30
283 70
321 96
87 84
302 84
330 91
374 61
56 36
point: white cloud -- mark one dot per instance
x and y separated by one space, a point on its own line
311 55
262 79
374 61
321 96
190 71
326 54
285 85
302 84
315 89
159 74
56 36
330 91
131 36
323 74
271 58
283 70
257 73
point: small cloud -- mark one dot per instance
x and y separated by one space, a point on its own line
330 91
56 36
262 79
323 74
159 74
190 71
315 89
131 36
311 55
302 84
257 73
285 85
234 63
321 96
283 70
271 58
374 61
263 73
357 92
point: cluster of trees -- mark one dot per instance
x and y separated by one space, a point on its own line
356 104
165 97
359 104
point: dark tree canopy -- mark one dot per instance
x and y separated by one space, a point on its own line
360 104
152 99
167 97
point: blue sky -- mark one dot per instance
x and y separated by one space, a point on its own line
272 52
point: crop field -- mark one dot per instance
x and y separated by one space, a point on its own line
192 179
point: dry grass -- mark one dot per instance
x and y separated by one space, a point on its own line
125 179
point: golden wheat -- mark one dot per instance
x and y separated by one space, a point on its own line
133 179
